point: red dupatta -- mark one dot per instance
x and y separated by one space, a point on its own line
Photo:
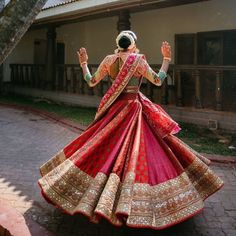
126 72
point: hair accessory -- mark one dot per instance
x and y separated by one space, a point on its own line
130 35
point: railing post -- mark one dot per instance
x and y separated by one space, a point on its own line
22 81
13 73
164 93
65 84
74 80
57 78
218 91
39 82
27 77
198 100
149 90
179 89
32 75
100 89
80 81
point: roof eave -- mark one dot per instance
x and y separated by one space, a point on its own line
78 10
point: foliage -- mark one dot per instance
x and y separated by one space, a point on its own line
15 19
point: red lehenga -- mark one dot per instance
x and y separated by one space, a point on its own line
128 166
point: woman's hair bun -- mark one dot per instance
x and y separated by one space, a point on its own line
124 42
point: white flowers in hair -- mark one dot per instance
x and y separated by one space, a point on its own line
130 35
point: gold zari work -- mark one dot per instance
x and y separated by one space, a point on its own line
138 204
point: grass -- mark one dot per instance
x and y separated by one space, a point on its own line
199 138
208 141
83 115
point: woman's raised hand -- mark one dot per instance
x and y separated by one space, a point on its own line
166 50
83 56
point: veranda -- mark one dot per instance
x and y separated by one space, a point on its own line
200 87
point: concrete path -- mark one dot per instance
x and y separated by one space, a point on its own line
28 140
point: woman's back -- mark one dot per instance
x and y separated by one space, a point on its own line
116 62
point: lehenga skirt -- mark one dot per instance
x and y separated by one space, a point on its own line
127 168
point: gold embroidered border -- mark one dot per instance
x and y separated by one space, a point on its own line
143 205
203 178
53 163
107 203
163 204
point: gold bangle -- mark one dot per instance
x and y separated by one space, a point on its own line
167 58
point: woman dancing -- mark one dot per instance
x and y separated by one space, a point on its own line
128 166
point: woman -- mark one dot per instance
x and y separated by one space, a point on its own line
128 166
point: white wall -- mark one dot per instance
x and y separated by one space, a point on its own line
152 27
96 35
24 51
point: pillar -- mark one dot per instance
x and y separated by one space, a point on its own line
123 21
50 73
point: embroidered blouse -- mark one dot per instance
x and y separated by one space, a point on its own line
104 69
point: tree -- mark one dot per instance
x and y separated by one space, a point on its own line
2 3
15 19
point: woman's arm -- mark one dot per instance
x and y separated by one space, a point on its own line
150 74
101 72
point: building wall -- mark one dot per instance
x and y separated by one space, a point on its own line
152 27
24 51
96 35
155 26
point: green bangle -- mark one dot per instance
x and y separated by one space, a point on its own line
87 77
162 75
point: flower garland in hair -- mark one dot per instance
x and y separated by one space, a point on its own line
129 36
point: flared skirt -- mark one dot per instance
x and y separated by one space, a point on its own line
130 168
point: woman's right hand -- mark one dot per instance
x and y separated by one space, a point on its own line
83 56
166 50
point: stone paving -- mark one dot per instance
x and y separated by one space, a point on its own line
28 140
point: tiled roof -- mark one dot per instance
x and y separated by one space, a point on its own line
55 3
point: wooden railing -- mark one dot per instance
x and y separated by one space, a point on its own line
29 75
69 78
197 72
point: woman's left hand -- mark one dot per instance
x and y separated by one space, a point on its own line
166 49
83 56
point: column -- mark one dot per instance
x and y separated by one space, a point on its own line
218 91
123 21
198 102
179 89
50 73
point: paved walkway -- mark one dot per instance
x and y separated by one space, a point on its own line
27 141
